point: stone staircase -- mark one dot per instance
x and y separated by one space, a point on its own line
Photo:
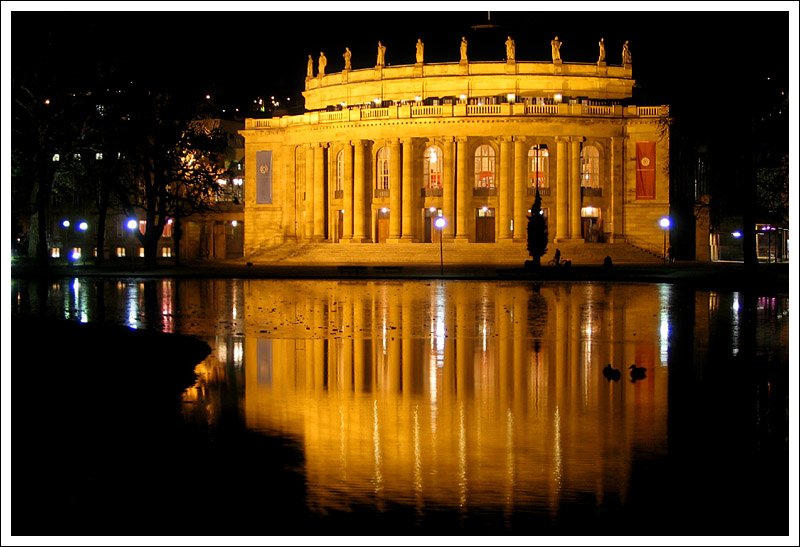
453 253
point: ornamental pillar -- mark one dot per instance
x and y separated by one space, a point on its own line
562 190
308 230
395 190
520 191
359 214
504 192
462 189
575 188
448 188
408 190
347 191
319 192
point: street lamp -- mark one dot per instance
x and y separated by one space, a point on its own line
664 223
82 226
439 223
132 225
65 224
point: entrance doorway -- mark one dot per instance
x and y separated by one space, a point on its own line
484 225
591 225
382 226
432 234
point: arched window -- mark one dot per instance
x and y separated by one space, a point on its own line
590 167
433 168
538 167
382 169
484 167
339 170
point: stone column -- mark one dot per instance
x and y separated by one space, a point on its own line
463 189
562 190
347 191
520 190
395 190
575 189
308 231
359 187
409 189
614 215
319 192
448 188
504 192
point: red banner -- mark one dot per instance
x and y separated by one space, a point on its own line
645 170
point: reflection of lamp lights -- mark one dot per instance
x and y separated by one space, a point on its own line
664 223
439 223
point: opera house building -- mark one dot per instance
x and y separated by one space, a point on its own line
380 153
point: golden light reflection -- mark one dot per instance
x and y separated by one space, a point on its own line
453 394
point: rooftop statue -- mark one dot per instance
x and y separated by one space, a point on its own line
510 47
463 49
555 45
323 62
347 56
602 56
310 68
626 53
420 51
381 54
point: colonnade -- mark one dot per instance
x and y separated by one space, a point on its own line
457 203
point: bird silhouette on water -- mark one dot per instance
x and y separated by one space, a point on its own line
611 373
637 373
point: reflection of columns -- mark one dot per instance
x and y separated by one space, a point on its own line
575 189
519 360
319 351
408 190
463 189
308 232
394 347
520 193
504 192
562 342
347 201
562 191
575 397
448 187
319 191
464 354
504 321
358 344
408 343
359 215
347 343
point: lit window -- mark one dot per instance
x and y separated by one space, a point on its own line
590 167
141 252
55 252
166 252
484 167
56 157
98 156
382 170
433 167
142 226
539 167
167 232
120 252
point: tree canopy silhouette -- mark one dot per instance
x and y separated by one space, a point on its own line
537 231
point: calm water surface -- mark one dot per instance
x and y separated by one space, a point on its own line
482 407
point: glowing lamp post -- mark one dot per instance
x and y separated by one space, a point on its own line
664 223
132 225
82 226
439 223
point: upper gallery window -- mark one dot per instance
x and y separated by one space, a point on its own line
539 167
382 169
590 167
433 167
484 166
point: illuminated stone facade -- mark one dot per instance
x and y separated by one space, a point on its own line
382 152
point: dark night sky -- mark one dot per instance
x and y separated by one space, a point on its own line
677 55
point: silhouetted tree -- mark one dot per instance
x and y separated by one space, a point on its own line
537 231
173 165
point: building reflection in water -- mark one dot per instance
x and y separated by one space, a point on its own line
465 395
457 394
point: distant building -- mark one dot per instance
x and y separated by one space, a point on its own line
381 152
